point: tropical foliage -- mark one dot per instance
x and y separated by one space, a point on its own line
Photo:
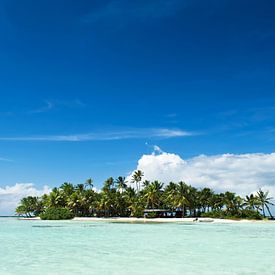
56 213
118 199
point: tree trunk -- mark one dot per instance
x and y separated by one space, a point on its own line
269 211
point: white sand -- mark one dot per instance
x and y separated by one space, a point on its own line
158 220
166 220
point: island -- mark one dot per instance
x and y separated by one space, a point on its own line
144 199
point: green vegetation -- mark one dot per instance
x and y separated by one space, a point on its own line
30 206
239 214
56 213
117 199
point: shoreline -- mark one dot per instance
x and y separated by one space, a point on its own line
169 220
155 220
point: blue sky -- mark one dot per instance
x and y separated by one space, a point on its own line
88 87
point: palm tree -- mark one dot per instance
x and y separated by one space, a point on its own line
105 203
152 194
30 206
180 197
265 201
80 187
130 193
56 198
74 203
169 195
217 201
252 202
137 207
121 183
120 204
205 197
146 183
67 188
192 198
108 197
131 200
137 178
108 185
92 198
89 183
233 203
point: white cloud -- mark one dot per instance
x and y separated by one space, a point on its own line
11 195
54 104
157 149
130 10
242 174
5 159
47 107
137 133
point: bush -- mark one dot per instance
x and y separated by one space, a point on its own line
240 214
59 213
251 214
151 215
216 214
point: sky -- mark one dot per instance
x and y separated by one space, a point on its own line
181 89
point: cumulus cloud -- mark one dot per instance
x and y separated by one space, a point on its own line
243 174
11 195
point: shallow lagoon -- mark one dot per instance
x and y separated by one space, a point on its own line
90 247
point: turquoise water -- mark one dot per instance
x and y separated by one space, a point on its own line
73 247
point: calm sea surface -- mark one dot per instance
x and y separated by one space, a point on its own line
73 247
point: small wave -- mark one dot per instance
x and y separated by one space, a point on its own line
47 226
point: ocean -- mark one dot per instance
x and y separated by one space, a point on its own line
91 247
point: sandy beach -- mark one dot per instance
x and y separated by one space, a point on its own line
157 220
172 220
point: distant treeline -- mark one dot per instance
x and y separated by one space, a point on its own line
117 199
